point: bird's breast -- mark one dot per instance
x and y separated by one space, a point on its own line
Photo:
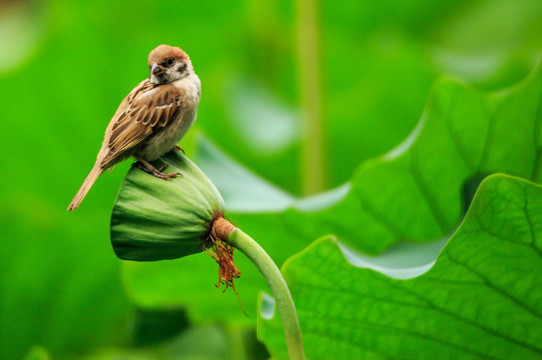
164 139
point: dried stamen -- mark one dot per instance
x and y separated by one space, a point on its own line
222 252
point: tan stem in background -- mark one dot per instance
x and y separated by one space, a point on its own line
314 165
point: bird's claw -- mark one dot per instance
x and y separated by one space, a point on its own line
157 172
161 175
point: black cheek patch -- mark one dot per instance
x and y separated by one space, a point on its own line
181 68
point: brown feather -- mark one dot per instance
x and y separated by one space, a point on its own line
139 118
163 52
134 121
87 184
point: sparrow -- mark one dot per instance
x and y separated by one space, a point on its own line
152 118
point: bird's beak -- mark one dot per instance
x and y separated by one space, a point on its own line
157 69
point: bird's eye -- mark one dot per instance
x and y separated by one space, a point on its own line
170 61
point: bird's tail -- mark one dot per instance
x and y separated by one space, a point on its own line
87 184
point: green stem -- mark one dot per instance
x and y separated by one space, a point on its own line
313 150
281 293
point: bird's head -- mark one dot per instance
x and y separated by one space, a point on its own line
168 64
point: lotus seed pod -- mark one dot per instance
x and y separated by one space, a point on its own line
157 219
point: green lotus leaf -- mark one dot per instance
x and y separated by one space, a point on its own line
480 300
415 192
37 353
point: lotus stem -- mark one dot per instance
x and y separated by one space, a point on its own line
283 299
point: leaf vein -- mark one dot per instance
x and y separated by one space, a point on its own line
467 321
492 286
436 211
456 139
372 325
537 145
531 225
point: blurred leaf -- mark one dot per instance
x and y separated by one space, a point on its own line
193 344
380 59
151 327
414 192
479 301
65 295
37 353
244 190
207 342
22 25
485 44
261 119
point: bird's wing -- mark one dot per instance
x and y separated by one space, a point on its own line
147 108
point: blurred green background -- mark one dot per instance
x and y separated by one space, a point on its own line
66 65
